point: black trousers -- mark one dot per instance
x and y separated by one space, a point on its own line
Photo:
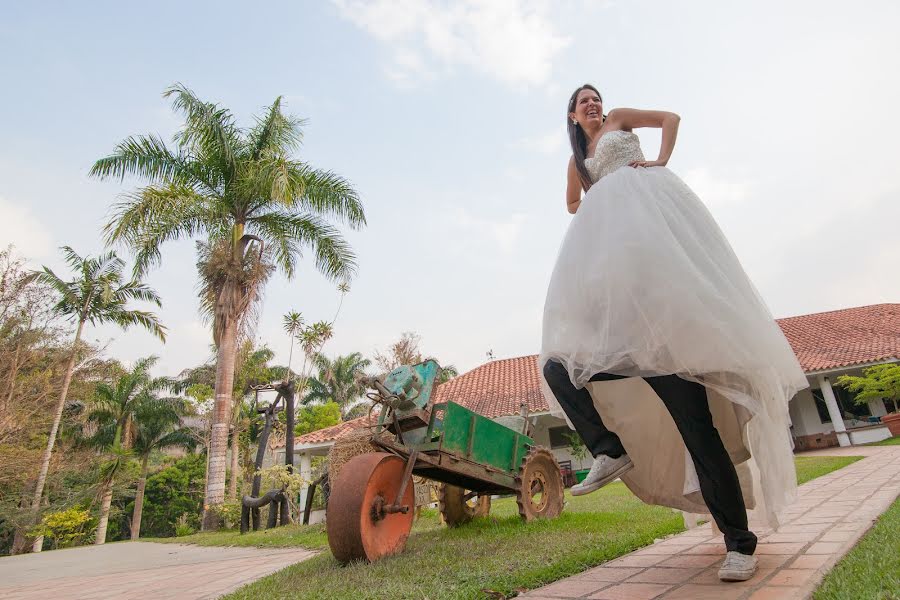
689 407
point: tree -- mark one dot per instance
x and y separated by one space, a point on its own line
115 409
292 323
157 427
173 492
881 382
256 207
252 370
201 394
317 416
98 294
337 380
405 351
448 372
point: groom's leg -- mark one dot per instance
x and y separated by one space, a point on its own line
579 407
689 407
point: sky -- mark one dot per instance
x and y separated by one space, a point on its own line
449 120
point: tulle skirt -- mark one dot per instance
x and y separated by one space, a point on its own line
646 284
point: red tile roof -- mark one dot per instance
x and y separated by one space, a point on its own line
843 338
497 388
329 434
828 340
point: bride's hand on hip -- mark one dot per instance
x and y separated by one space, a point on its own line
646 163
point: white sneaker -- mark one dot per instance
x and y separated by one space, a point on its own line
604 470
737 567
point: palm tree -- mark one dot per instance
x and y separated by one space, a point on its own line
448 372
157 426
115 406
292 323
337 380
256 207
98 294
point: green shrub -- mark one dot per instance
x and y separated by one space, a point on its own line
229 513
65 527
171 493
183 527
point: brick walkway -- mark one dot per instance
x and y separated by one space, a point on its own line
139 570
830 515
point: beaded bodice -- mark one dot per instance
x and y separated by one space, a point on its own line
614 149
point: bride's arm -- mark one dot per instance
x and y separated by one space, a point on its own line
632 118
573 188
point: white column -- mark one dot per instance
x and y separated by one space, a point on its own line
837 419
306 474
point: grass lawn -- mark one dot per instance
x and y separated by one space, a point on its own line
499 553
871 571
893 441
290 536
810 467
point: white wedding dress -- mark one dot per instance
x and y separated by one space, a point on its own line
646 284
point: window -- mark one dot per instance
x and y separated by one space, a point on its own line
890 405
559 437
846 404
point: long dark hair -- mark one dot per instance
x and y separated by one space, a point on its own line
578 139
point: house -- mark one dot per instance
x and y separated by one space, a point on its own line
835 343
828 345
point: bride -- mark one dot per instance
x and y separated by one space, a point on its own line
657 349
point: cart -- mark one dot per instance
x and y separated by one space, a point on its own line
370 506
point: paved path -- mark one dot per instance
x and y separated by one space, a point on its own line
830 515
139 570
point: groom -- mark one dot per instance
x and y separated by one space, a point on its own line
689 407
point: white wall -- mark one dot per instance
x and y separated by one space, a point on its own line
876 407
805 417
541 437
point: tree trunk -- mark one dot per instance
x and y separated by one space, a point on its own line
235 458
21 542
57 417
218 443
286 517
39 540
105 503
139 501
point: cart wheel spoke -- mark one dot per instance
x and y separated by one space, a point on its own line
540 493
459 506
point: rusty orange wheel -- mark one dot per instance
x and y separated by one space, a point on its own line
360 522
540 487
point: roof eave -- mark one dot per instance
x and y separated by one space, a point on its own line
852 367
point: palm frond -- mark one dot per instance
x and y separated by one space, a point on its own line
292 322
71 257
69 297
154 215
147 320
135 290
209 130
146 157
184 437
326 193
275 134
334 258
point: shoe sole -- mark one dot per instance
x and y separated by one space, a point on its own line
599 484
737 575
